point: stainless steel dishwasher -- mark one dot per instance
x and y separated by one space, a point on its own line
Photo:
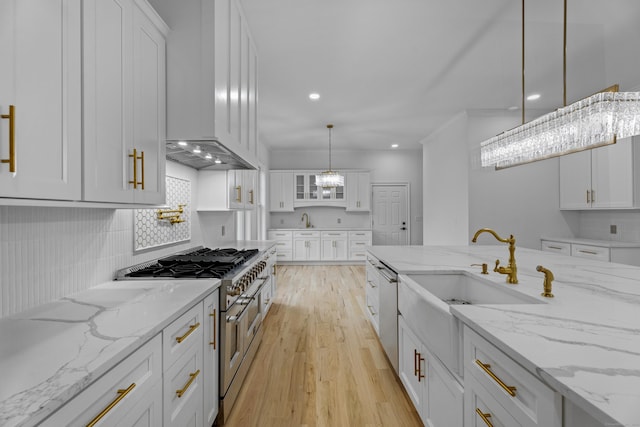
388 310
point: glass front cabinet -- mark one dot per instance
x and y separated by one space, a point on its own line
307 193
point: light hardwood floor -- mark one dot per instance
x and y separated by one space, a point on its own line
320 362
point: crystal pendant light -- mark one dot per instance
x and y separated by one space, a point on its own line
589 123
329 178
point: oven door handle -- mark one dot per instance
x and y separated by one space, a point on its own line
237 318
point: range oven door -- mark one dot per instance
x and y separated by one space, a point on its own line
232 345
253 319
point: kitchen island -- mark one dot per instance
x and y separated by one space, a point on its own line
584 343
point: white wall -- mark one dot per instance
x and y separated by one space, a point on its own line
446 184
523 200
386 166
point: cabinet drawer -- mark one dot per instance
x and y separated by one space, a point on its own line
558 247
284 245
479 403
592 252
357 255
133 383
360 235
284 256
530 400
305 234
183 333
183 389
332 235
279 235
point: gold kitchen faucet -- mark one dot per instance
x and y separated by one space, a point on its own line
511 270
306 224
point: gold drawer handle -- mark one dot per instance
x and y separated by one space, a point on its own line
213 343
251 196
555 247
184 389
487 369
121 395
485 417
12 138
239 194
587 252
189 332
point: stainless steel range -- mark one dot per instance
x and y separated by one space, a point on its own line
243 274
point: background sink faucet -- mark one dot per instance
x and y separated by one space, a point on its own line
511 269
307 224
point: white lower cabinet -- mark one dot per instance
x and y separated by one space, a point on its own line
128 395
372 293
284 244
435 393
183 366
334 245
358 241
481 409
493 379
266 296
306 245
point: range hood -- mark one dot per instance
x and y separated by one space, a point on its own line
206 154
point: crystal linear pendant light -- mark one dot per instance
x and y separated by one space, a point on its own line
589 123
329 178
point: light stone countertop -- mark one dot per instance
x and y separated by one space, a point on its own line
52 352
584 343
321 229
593 242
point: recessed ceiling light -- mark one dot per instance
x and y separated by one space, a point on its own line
533 97
217 161
314 96
208 156
394 145
183 143
197 150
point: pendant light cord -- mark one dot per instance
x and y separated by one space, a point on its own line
329 127
522 62
564 57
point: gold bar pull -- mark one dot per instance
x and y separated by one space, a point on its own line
121 395
484 417
588 198
135 158
12 138
213 343
251 196
142 161
184 389
415 362
420 360
487 369
189 332
239 194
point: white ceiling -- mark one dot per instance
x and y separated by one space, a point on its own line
393 71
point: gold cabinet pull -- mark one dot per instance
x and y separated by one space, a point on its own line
593 196
12 138
184 389
189 332
135 158
251 196
420 360
239 194
587 252
484 417
213 343
274 270
487 369
588 198
415 362
121 395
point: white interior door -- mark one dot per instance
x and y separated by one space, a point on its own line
390 215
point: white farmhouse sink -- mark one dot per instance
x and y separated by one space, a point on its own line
424 301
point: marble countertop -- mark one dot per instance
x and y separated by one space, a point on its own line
53 351
593 242
584 342
261 245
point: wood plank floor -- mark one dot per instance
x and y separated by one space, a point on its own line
320 362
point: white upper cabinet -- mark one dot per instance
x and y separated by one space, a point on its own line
124 102
358 191
281 191
227 190
40 77
308 193
602 178
212 74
